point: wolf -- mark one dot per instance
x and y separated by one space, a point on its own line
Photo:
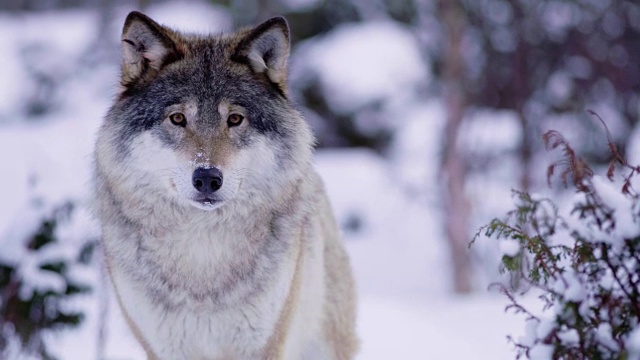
218 234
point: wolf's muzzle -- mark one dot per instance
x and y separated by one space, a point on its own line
207 180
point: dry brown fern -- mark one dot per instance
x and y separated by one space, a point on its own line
577 168
574 165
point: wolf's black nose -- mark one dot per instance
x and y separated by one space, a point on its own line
207 181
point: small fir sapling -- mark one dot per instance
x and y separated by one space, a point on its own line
586 264
36 283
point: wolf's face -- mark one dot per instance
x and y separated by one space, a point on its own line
205 120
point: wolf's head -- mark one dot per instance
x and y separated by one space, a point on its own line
203 119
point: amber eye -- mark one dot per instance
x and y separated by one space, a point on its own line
234 120
178 119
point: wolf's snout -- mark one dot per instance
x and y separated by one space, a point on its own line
207 181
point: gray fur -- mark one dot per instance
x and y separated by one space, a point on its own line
258 271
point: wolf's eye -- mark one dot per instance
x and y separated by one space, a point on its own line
234 120
178 119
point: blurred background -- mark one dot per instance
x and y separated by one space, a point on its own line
428 113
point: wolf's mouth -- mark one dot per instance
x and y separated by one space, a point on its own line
206 203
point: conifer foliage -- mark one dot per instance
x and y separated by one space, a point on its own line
585 263
37 284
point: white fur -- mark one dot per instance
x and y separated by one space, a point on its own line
202 329
151 158
197 251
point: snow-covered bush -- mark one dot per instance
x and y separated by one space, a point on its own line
585 262
39 274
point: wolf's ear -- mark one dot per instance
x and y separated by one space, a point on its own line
146 48
266 49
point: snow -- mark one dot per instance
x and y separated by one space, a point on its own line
607 282
416 144
558 17
545 327
480 132
359 185
633 341
361 63
38 280
446 328
605 337
509 247
622 206
10 95
633 153
559 87
197 17
570 337
529 337
541 352
22 38
575 291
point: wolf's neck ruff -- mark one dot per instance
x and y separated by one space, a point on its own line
247 235
217 232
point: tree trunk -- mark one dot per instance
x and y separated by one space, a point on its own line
454 163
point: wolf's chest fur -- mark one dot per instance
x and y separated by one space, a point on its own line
198 285
206 294
206 260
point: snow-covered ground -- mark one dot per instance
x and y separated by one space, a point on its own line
394 236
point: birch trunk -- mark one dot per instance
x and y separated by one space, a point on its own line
454 163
